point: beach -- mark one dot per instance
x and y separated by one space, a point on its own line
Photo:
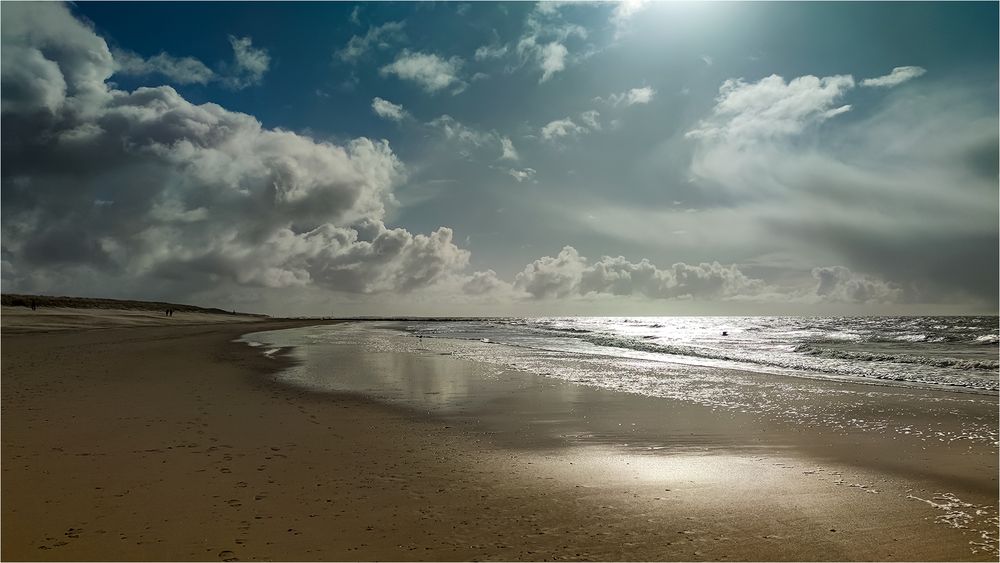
181 442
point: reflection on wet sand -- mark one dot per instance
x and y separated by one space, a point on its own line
602 430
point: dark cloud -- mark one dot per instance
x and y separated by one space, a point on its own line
838 283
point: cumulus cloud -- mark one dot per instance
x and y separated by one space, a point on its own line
180 70
772 108
631 97
388 110
570 274
378 37
484 283
429 71
899 75
134 187
840 284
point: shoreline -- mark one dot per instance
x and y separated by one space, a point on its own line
175 443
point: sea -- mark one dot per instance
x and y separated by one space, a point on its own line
958 353
866 373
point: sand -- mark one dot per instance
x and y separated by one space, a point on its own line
172 442
19 320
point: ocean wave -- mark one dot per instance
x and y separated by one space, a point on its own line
864 365
889 349
570 330
987 339
911 338
986 365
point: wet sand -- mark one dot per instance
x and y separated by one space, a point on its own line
174 443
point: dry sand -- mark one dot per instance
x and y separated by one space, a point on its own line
19 320
172 443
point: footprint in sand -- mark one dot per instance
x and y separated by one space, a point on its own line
226 555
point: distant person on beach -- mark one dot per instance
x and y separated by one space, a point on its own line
34 304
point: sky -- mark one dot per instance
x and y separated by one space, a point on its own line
501 158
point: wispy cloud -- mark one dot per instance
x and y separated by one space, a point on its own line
631 97
771 107
247 68
180 70
544 40
250 62
487 52
521 175
378 37
624 12
899 75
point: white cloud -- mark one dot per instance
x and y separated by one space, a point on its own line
865 192
458 131
487 52
624 11
356 15
224 200
591 119
521 175
566 127
508 150
485 283
569 274
379 37
707 60
769 108
247 68
429 71
552 59
250 63
181 70
469 138
388 110
631 97
899 75
561 128
544 40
